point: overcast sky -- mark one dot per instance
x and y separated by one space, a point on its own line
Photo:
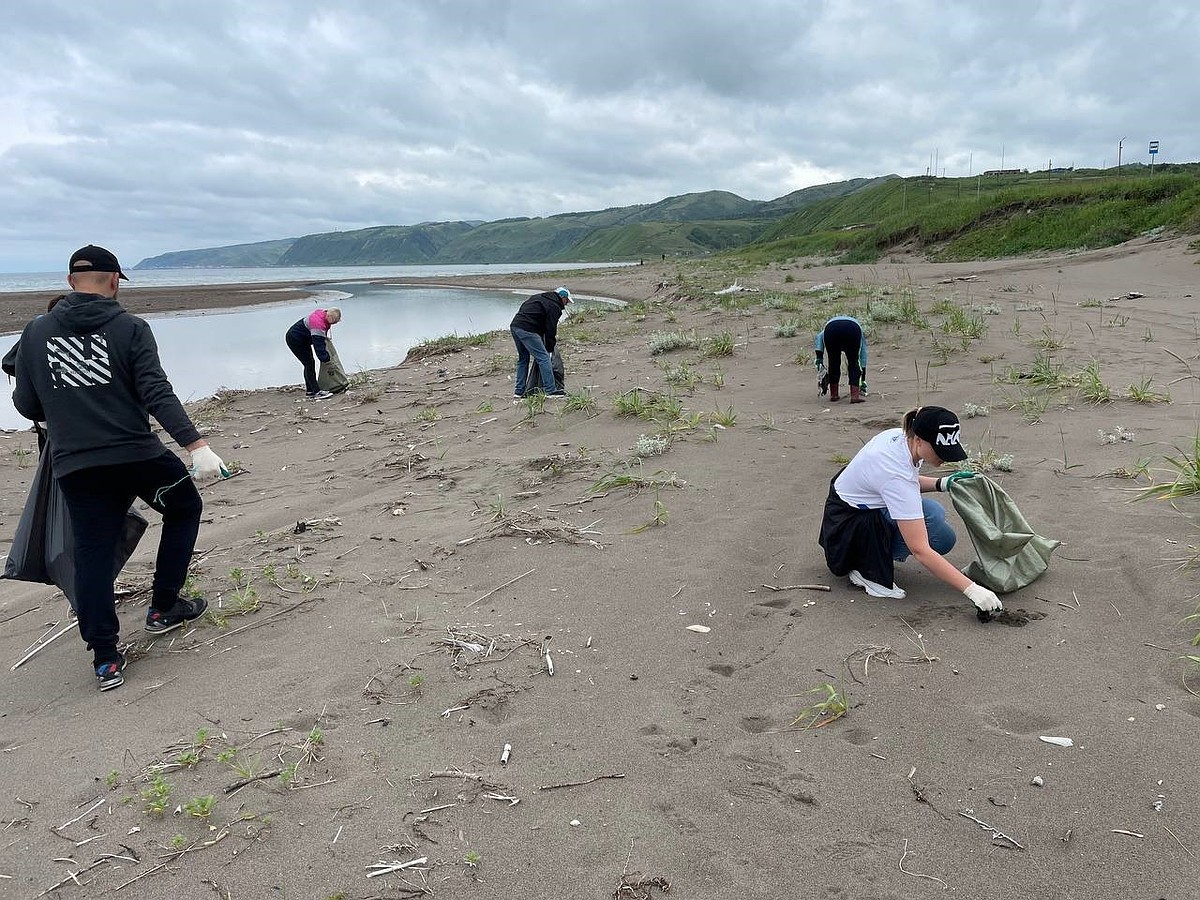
156 125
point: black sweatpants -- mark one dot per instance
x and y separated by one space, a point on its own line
97 500
843 336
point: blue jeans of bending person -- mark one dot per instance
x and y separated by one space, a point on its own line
941 536
530 344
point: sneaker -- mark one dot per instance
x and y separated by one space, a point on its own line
161 621
518 396
320 395
110 674
874 589
556 395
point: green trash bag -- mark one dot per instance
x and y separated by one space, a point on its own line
1010 553
332 377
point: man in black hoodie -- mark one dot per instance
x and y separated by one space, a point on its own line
90 370
535 332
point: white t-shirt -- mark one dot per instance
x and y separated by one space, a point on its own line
882 476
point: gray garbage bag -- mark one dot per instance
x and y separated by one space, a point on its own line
332 377
1010 553
43 546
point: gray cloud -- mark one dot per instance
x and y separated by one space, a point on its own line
170 125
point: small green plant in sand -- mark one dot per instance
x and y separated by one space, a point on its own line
227 756
724 417
22 454
659 518
581 401
497 509
973 410
415 681
451 343
1049 339
157 796
472 859
834 705
635 402
485 406
718 378
288 774
666 341
1186 471
200 807
989 460
428 414
633 476
682 375
648 445
1091 387
112 779
787 327
718 345
178 842
535 405
839 459
189 759
1142 392
1148 335
1031 402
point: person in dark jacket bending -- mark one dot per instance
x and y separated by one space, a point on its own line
535 332
842 336
90 370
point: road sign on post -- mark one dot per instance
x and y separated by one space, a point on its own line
1153 153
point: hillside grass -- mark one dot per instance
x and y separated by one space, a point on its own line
953 219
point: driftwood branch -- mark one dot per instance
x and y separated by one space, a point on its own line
566 784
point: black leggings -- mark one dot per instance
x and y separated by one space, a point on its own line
843 336
299 341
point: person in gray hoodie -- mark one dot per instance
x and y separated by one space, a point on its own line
91 371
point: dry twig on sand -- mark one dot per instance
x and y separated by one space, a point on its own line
566 784
797 587
533 527
997 834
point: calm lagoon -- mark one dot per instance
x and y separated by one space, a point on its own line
244 348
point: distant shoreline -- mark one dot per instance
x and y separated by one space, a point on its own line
626 283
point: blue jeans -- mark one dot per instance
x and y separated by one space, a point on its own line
530 344
941 535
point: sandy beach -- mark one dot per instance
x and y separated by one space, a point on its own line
394 572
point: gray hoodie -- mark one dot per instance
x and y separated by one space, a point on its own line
90 370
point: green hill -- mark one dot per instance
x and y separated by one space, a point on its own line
989 216
689 224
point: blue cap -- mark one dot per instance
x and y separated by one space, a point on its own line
564 293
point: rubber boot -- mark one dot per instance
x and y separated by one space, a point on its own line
856 394
833 393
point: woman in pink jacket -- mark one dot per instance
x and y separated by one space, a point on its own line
309 336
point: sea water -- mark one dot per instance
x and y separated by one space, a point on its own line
203 352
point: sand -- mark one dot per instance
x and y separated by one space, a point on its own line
452 539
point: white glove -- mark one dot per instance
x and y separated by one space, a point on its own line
985 600
206 465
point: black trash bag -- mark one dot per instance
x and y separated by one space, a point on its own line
533 378
43 546
332 377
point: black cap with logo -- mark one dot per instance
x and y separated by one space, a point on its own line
941 428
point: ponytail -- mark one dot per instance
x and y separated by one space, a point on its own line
907 424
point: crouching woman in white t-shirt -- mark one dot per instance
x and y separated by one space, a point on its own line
875 514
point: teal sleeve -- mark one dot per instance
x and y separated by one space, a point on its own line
862 355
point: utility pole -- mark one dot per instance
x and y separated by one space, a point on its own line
1120 143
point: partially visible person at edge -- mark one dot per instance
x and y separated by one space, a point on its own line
842 335
875 514
309 336
9 366
535 332
91 371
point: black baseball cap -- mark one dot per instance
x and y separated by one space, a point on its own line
941 428
94 259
